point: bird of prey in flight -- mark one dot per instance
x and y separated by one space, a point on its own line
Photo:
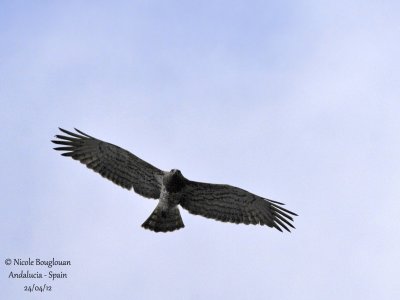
221 202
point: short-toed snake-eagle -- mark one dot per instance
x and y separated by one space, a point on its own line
221 202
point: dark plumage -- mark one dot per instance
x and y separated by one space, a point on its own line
216 201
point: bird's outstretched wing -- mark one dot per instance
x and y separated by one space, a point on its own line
231 204
112 162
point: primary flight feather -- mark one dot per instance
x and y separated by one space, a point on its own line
216 201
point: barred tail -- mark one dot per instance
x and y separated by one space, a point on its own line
164 220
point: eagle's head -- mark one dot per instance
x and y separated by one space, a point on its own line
174 181
176 172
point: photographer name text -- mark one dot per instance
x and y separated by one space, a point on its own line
38 262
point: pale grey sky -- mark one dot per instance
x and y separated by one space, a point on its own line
297 101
